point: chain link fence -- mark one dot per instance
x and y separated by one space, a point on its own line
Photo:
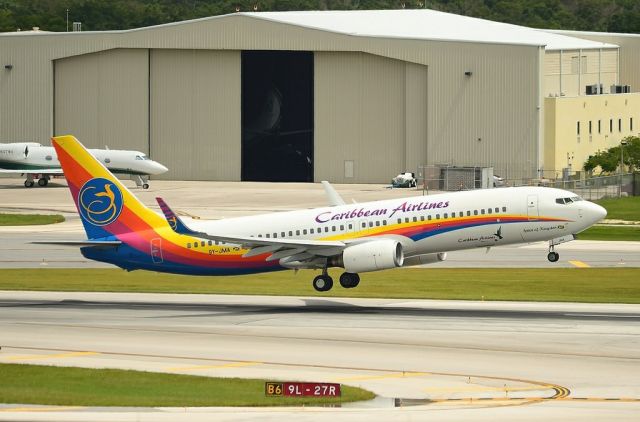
432 178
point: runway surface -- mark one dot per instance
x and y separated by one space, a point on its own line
440 360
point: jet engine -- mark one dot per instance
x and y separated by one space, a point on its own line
370 256
431 258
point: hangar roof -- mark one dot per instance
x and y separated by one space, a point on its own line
426 24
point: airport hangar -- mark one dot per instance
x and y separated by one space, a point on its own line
345 96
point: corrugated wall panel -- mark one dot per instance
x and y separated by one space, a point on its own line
195 113
359 117
416 115
102 99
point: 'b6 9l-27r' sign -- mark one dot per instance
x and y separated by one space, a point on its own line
301 389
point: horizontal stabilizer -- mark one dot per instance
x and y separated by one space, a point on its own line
79 243
174 221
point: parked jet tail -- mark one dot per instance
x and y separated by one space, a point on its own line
106 207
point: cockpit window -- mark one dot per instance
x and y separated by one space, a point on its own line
564 201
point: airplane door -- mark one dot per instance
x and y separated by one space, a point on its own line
532 207
156 250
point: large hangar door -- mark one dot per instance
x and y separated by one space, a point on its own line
277 116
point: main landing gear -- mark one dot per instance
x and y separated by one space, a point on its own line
324 282
553 256
42 180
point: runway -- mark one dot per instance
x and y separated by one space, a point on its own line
438 360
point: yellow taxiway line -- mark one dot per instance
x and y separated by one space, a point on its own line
54 356
579 264
226 365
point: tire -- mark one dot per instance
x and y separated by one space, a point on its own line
43 182
145 186
28 184
553 256
349 280
322 283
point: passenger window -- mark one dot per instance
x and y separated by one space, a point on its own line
488 210
364 224
326 229
202 244
341 227
406 220
415 219
384 222
468 213
290 233
422 218
399 220
504 209
267 235
482 211
195 244
497 209
259 235
446 215
297 232
350 226
275 235
437 216
475 212
281 234
429 217
377 224
333 228
305 231
210 243
188 245
370 223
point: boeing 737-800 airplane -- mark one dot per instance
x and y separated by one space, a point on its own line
357 237
40 163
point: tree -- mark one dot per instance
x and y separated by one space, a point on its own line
609 160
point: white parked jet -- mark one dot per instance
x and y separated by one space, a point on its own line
39 163
357 237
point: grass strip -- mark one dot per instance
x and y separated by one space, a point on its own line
29 219
67 386
608 232
622 208
612 285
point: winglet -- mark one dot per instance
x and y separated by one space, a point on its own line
174 221
334 197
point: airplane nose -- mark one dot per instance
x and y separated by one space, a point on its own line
597 212
158 168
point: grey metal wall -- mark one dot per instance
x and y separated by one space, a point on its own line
629 52
102 99
500 104
195 113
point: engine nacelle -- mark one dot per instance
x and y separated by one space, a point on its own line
373 256
431 258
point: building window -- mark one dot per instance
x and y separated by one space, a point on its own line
619 125
610 125
578 128
599 126
590 132
631 124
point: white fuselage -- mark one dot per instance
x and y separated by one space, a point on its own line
30 157
430 224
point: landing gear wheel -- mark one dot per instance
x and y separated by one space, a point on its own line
322 283
28 183
145 186
349 280
42 182
553 256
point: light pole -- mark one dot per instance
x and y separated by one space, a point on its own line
622 144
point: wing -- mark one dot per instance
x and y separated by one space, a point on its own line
292 253
32 171
334 197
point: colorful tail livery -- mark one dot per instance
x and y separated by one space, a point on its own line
357 237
